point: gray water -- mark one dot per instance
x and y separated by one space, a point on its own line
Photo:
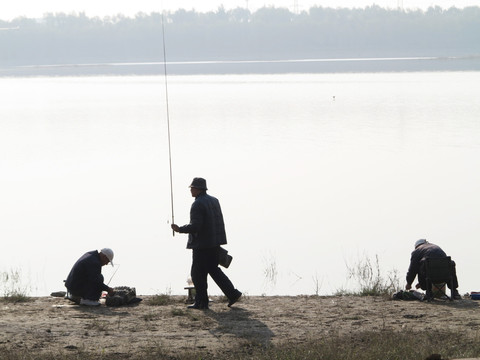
315 174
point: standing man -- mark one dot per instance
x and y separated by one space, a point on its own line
85 281
423 250
206 232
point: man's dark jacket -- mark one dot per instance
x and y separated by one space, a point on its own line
86 274
419 255
206 229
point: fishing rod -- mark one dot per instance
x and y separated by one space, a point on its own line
168 116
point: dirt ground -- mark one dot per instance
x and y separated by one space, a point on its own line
55 324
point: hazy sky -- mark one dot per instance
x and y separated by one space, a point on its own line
36 8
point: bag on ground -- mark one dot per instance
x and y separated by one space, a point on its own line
123 295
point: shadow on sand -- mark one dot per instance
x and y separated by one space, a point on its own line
240 323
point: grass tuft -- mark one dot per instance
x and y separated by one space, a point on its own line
160 300
370 280
16 298
14 291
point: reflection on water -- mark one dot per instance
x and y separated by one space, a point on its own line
314 173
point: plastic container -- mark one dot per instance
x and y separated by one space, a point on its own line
475 295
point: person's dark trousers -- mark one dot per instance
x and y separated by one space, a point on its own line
422 276
88 291
205 262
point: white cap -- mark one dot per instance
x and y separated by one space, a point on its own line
420 242
108 253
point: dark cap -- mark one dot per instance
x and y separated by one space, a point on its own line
199 183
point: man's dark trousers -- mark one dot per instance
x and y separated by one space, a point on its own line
205 262
422 276
88 291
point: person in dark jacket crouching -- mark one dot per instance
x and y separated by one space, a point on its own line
85 281
206 232
423 250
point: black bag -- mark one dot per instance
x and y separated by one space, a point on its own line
123 295
223 258
407 295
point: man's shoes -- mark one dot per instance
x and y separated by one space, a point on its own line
198 306
87 302
456 295
74 298
234 299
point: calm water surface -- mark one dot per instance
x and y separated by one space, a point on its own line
315 174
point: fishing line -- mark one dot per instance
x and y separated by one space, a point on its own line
117 267
168 116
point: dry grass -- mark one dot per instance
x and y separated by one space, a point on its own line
13 288
367 345
161 300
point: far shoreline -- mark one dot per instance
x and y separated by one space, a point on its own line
300 66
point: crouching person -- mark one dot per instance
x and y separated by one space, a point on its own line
85 281
423 250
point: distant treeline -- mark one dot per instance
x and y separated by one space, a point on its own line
267 34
